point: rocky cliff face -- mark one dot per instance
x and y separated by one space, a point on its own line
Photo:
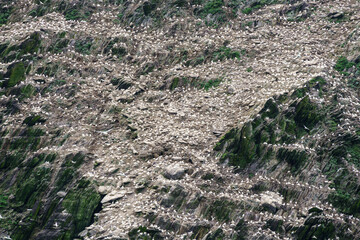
179 119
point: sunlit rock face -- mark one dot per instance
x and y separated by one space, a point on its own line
184 119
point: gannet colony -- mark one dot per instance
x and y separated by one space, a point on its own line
179 119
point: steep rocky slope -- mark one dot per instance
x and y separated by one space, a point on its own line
179 119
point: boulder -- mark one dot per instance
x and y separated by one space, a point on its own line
61 194
174 171
113 196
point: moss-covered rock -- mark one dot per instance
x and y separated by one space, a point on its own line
176 197
35 204
81 202
30 45
29 139
15 74
306 113
270 109
222 210
294 158
30 189
316 227
275 225
250 144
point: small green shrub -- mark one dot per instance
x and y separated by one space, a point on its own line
343 64
62 34
83 46
174 83
3 201
247 10
59 45
27 91
75 14
210 84
317 80
4 15
225 52
213 7
354 83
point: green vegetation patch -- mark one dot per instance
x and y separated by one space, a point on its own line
275 225
254 5
346 197
4 15
115 50
33 190
222 210
59 45
43 7
174 83
30 45
30 188
250 144
194 82
213 7
16 74
83 46
345 202
76 14
317 81
49 69
343 64
27 91
32 120
270 109
220 54
3 200
307 113
30 138
81 202
69 170
225 53
316 228
294 158
212 83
